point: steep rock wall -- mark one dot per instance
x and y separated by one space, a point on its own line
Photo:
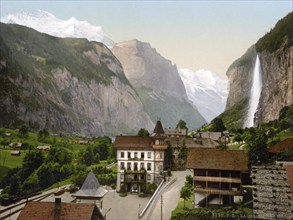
277 91
157 83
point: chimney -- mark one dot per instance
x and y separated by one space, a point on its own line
57 209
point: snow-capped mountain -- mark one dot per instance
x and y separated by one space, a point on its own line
46 22
206 90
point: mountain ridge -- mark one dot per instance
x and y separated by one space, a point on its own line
46 22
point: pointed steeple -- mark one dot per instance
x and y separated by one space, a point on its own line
91 188
158 128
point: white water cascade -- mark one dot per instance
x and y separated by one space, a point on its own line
254 94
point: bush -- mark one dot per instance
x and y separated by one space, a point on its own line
123 194
143 195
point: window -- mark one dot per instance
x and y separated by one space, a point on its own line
122 154
128 154
149 166
157 167
149 155
160 168
135 154
122 177
142 155
135 166
129 166
142 166
148 177
157 155
122 166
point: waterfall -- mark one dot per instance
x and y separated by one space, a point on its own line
254 94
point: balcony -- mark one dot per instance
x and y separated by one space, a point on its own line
217 179
135 159
215 191
160 146
135 171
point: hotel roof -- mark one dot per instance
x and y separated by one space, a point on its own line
133 142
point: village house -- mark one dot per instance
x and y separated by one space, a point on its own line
15 145
15 153
178 132
43 148
218 175
8 134
83 142
140 160
220 137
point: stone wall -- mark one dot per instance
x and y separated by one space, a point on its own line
272 197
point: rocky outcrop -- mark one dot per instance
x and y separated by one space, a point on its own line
65 85
157 83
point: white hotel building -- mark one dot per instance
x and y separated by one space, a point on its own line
140 160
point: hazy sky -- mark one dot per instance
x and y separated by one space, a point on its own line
192 34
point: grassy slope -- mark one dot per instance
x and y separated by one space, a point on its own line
234 116
31 49
8 162
282 32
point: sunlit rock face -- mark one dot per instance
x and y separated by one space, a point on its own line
157 83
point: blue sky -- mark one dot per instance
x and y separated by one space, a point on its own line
192 34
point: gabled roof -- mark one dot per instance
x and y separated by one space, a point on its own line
133 142
158 128
216 159
91 188
281 146
68 211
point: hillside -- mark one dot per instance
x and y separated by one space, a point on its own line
65 85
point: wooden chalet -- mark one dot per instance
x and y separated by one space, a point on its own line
217 174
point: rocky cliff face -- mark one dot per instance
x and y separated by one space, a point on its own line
157 83
277 90
68 85
275 51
